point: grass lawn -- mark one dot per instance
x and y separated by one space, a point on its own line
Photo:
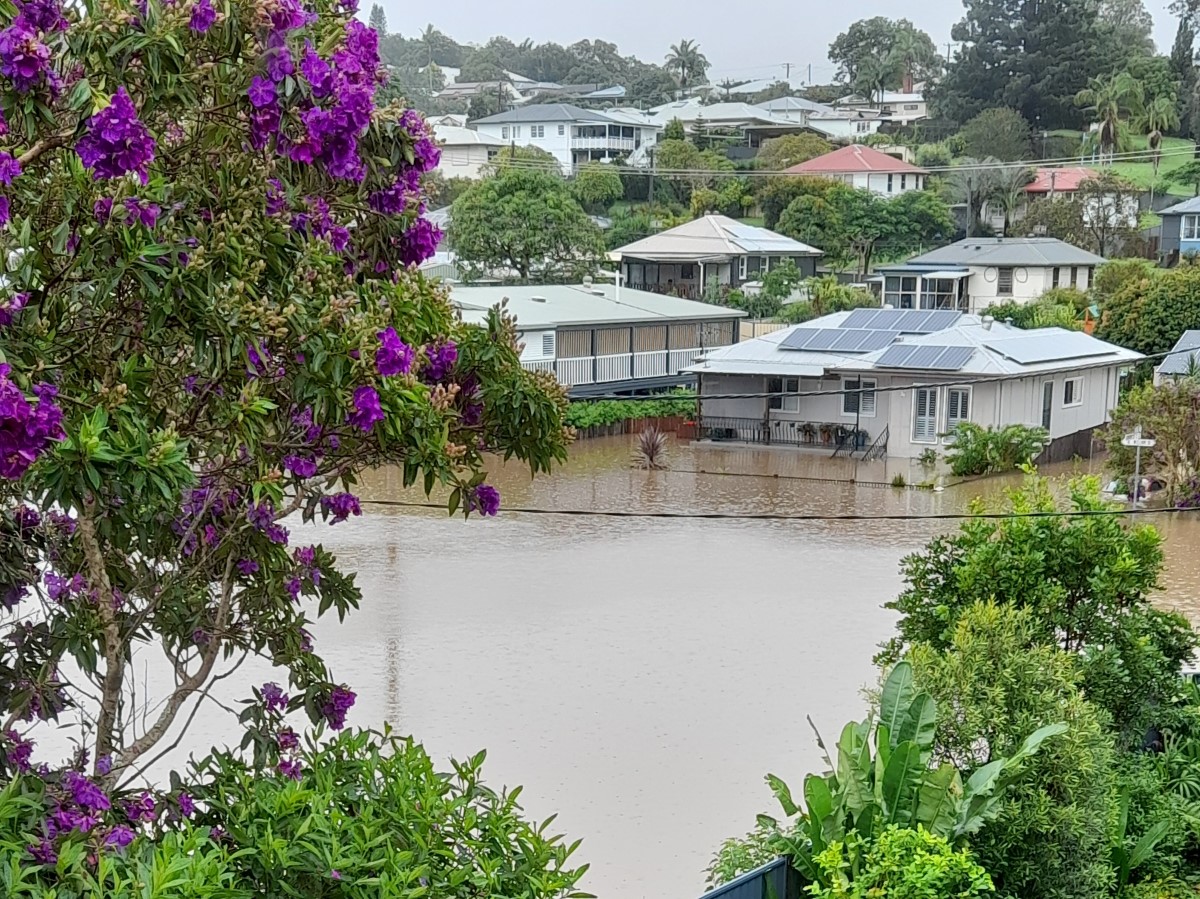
1177 151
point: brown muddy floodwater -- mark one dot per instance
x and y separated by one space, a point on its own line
638 676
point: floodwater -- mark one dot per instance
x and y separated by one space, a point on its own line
639 676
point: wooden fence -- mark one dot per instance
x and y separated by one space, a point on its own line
682 426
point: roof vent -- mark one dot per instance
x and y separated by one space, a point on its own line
538 299
598 291
888 306
587 281
986 321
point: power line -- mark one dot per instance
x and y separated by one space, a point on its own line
857 374
784 516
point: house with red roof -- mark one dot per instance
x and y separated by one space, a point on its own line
1062 184
861 166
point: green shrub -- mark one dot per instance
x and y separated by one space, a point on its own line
582 414
901 864
979 450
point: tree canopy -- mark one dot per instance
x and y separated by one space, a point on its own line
1000 133
878 54
781 153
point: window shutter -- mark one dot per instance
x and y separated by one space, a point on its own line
867 400
548 343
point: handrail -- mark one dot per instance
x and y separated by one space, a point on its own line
878 449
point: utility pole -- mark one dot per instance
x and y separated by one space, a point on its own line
787 69
948 46
650 189
810 74
970 205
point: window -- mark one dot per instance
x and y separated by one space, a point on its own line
1004 281
1074 275
1073 392
889 190
859 403
504 133
924 428
911 107
687 272
741 268
1047 403
562 129
900 292
1054 277
516 130
537 130
862 127
1189 227
958 406
903 182
781 387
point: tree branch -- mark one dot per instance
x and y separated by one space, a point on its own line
114 652
44 145
190 684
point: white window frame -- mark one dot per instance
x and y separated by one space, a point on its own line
1189 227
516 130
742 267
1000 274
562 129
866 399
934 393
1076 392
504 133
537 131
548 344
958 419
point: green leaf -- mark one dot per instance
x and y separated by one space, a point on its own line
897 696
901 781
920 724
783 794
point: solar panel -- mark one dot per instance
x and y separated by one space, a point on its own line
824 339
1053 347
908 321
877 340
896 356
837 340
930 358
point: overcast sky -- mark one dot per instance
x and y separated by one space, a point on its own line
741 40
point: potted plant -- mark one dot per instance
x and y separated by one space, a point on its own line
808 432
827 433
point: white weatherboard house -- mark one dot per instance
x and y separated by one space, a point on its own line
979 272
572 135
1184 360
600 338
465 152
905 371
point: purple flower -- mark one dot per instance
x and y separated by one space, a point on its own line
299 466
341 506
3 125
141 211
289 768
274 699
419 242
277 202
306 643
394 356
261 92
287 739
316 71
247 567
43 853
5 211
85 793
187 805
10 168
441 359
119 837
280 64
292 587
339 702
18 755
102 209
27 518
203 16
10 306
23 57
367 410
42 15
26 429
141 809
201 637
485 499
104 765
117 142
335 874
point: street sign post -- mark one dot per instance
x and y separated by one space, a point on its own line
1137 441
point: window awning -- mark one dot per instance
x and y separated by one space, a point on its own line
945 276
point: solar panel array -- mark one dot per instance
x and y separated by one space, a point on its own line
837 340
929 358
1049 347
906 321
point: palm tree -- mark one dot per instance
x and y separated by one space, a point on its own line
906 54
971 182
1110 101
1158 115
687 62
1008 190
874 75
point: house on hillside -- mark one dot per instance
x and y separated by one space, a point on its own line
604 338
1184 360
861 166
900 107
973 274
753 124
682 260
465 151
875 382
830 123
1180 231
1063 184
466 90
572 135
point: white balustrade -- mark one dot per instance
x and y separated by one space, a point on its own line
650 365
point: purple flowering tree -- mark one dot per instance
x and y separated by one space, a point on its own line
210 324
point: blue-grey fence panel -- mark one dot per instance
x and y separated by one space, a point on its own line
776 880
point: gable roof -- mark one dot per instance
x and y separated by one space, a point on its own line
549 112
714 237
1033 251
1184 208
856 159
1182 355
453 136
556 305
731 112
795 104
993 350
1065 179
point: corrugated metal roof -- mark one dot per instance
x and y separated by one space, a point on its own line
557 305
795 104
1067 178
1187 206
1008 251
1180 362
453 136
765 356
856 159
548 112
713 237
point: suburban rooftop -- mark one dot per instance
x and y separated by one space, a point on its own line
1035 251
714 237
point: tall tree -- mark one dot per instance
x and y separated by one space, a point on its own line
1183 69
1129 23
687 63
1008 191
378 20
1002 133
1110 102
1033 57
1158 114
878 54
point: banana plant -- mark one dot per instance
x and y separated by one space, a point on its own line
1125 860
883 776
